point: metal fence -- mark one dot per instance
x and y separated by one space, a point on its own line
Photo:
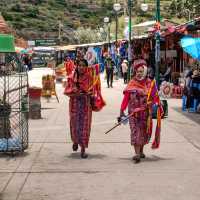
13 104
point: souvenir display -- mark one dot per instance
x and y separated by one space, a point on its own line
165 90
48 87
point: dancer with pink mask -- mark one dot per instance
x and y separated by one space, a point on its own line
140 94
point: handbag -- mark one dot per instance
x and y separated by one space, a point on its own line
97 102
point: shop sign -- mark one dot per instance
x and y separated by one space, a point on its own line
46 42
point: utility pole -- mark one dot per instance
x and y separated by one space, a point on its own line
157 46
107 22
116 8
60 26
130 4
125 7
116 27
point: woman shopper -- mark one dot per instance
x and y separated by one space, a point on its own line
82 85
139 96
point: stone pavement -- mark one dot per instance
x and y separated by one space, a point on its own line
49 170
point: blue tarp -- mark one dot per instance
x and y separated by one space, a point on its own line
191 46
10 144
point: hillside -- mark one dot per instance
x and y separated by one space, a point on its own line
40 18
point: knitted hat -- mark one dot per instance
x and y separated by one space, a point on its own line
138 63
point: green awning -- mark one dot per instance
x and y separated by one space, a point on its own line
6 43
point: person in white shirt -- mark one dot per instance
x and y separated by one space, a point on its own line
125 70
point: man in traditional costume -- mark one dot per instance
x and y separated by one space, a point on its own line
139 96
83 88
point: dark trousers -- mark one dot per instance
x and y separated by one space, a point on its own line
109 76
125 75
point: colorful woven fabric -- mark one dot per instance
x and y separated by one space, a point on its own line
80 81
80 119
82 86
142 94
69 66
86 80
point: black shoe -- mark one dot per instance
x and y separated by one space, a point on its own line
84 155
136 159
75 147
142 155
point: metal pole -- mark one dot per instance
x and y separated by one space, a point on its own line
59 31
109 36
157 47
129 42
116 28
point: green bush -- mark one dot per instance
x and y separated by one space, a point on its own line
17 8
19 25
32 11
7 16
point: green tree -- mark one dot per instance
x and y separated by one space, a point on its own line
179 8
32 11
87 35
16 8
103 3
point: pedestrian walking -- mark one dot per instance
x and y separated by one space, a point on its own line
125 70
139 96
27 61
109 66
83 88
69 65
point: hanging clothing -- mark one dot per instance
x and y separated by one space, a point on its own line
142 95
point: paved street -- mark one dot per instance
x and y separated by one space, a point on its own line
49 170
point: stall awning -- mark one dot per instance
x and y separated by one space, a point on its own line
66 48
6 43
145 24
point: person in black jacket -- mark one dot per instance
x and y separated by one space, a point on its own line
193 89
195 84
109 65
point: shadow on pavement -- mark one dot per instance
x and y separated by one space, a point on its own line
192 116
90 156
147 159
13 155
155 158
